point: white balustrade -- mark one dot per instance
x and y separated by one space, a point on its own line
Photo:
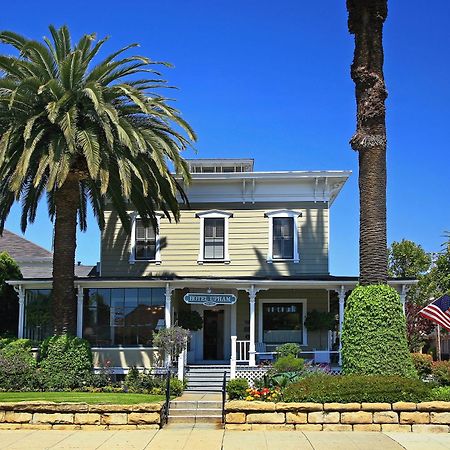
242 351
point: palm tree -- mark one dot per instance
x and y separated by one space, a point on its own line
85 133
365 21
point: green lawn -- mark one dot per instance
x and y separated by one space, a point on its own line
85 397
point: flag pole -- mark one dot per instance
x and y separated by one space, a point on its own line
438 342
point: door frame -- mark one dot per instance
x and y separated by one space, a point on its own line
195 355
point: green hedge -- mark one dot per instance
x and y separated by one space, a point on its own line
374 334
66 362
357 388
236 389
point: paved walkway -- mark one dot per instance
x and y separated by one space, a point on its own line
208 437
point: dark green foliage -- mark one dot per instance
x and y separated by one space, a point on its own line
374 334
288 349
146 383
357 388
441 372
17 366
236 389
423 363
288 364
320 320
190 320
9 304
66 362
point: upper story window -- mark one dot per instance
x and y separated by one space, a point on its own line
283 236
144 242
213 236
214 239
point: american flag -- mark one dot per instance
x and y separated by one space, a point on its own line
438 311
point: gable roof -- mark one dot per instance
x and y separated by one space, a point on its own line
21 249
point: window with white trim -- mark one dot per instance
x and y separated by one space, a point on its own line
213 236
145 241
283 236
145 244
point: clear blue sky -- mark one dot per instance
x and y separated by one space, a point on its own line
270 80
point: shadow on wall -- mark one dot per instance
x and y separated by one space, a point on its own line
312 247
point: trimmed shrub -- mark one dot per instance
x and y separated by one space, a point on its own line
66 362
423 363
237 389
441 372
289 349
374 334
357 388
288 364
17 366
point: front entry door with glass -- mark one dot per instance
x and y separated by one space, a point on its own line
213 334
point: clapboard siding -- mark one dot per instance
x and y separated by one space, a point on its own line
248 245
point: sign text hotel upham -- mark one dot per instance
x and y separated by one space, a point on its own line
208 299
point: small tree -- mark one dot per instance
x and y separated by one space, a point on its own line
374 333
9 305
172 341
407 259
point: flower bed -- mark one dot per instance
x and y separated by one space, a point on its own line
72 416
400 416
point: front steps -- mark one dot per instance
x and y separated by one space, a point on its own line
206 378
200 411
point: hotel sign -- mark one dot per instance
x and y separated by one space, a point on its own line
209 299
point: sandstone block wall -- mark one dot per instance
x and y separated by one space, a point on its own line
72 416
431 417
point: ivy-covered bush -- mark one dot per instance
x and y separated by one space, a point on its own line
423 363
66 362
288 349
374 334
357 388
441 372
17 366
237 388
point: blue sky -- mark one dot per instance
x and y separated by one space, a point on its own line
270 80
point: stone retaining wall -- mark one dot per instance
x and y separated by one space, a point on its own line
72 416
431 417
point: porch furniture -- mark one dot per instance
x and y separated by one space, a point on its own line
262 354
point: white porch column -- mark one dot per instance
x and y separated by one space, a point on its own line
341 294
403 293
252 348
168 306
79 311
20 327
233 358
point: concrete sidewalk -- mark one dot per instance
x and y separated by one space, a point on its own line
198 437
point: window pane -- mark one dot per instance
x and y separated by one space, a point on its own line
283 238
38 323
283 322
145 241
214 240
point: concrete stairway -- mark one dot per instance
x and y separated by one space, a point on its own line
200 411
206 378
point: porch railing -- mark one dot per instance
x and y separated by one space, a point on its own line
240 352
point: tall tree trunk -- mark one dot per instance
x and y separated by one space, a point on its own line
365 21
67 199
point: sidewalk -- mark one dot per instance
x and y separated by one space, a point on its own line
208 437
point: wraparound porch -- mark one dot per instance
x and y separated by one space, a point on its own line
253 320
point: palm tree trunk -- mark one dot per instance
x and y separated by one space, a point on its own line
67 200
365 21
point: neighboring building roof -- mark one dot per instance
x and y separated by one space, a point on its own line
21 249
34 261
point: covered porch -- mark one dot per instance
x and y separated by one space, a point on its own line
117 317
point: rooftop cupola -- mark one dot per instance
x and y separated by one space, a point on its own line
220 165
